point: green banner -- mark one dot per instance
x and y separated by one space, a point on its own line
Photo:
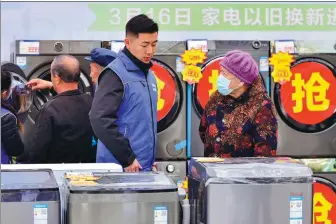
209 16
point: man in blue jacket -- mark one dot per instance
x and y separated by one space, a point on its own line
124 110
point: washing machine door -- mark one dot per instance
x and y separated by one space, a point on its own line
324 200
208 84
170 94
40 97
306 106
21 97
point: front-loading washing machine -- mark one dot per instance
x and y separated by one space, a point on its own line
171 153
34 59
306 104
201 92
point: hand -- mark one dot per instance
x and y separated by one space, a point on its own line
38 84
154 168
134 167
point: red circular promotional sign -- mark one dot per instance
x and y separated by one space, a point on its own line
309 97
208 83
166 89
324 204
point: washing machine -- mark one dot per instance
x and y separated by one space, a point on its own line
201 92
306 105
172 145
33 60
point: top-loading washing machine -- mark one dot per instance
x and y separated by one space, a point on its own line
34 59
171 146
201 92
306 105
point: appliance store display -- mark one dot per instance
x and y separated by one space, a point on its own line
60 169
29 197
307 125
34 59
138 198
171 154
260 52
250 190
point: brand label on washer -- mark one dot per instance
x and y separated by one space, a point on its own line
21 61
263 64
161 215
295 210
41 214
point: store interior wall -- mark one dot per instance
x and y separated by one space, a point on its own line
70 21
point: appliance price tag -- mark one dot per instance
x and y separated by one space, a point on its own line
296 210
285 46
198 44
40 214
161 215
29 47
117 46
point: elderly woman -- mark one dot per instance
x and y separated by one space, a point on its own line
240 119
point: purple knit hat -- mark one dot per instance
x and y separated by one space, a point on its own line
241 65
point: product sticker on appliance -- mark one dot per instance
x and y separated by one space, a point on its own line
21 61
41 214
295 212
29 47
161 215
263 64
117 46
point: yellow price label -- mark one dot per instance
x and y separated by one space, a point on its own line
83 183
193 56
209 160
281 63
191 74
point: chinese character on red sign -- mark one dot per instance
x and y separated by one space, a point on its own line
166 89
208 83
324 203
309 97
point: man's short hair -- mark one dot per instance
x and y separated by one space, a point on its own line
141 24
66 67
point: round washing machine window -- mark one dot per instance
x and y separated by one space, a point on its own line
170 94
324 201
21 98
207 84
307 103
42 96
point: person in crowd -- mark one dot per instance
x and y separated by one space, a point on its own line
62 131
239 120
11 142
124 109
99 58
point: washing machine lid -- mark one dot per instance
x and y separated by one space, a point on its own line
170 93
21 97
42 179
307 103
119 183
249 170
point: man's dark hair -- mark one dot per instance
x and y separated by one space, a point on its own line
141 24
66 67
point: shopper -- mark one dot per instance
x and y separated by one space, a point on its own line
99 58
11 142
62 131
123 114
239 120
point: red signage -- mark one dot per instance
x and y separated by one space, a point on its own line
324 203
208 83
309 97
166 89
